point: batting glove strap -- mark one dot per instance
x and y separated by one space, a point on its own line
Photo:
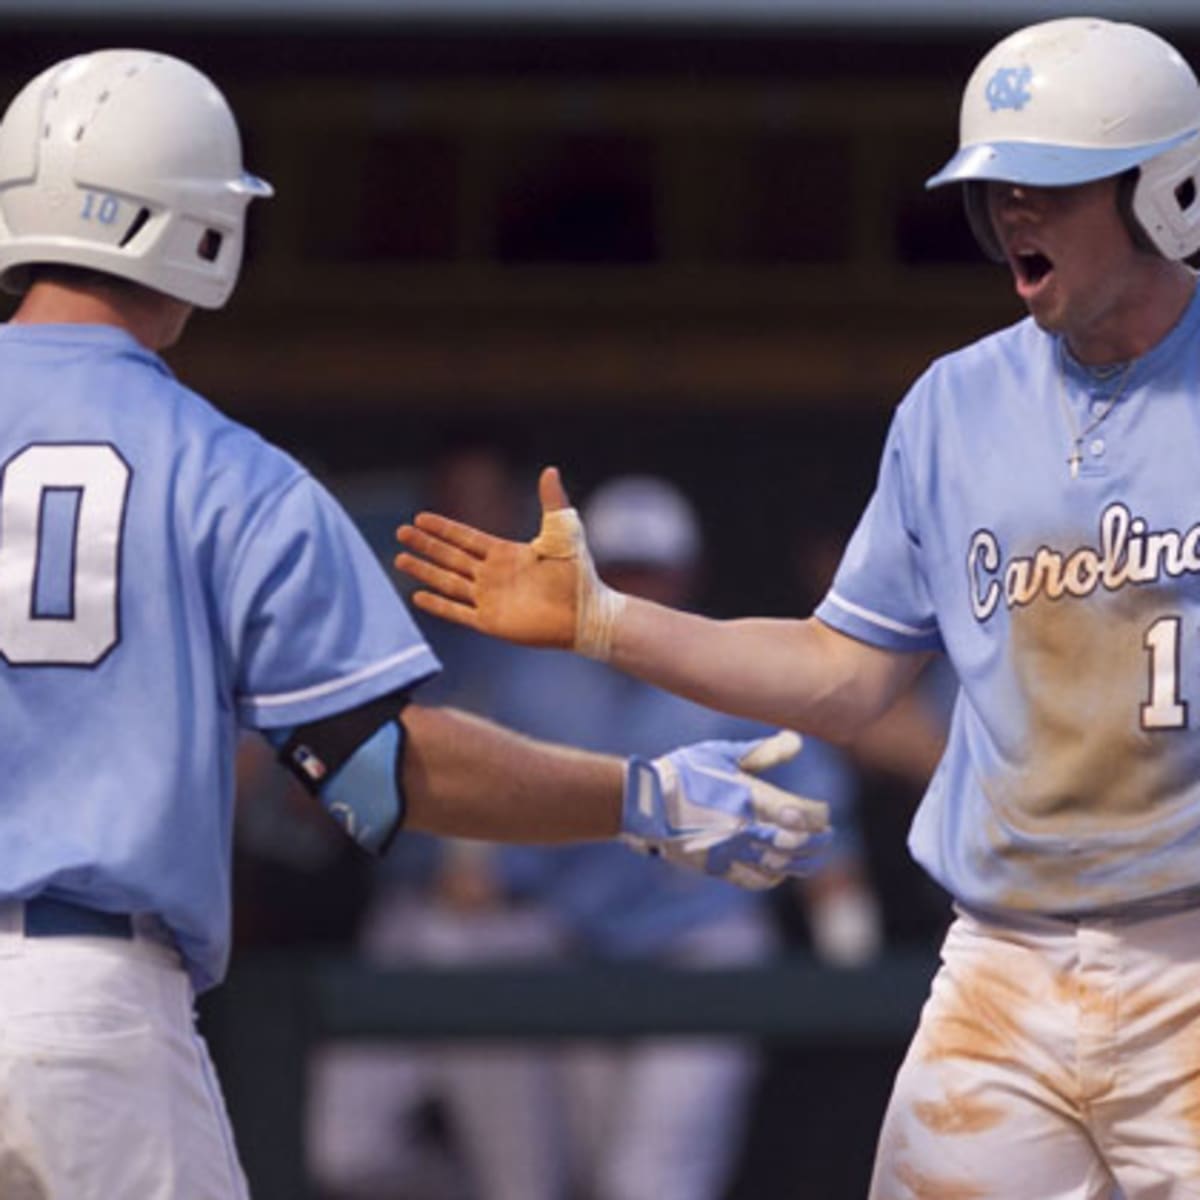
699 808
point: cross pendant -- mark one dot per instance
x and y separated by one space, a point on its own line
1075 461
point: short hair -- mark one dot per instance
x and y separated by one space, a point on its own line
69 275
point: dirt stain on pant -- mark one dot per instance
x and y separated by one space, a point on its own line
958 1114
922 1186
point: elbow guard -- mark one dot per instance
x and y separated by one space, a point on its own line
352 762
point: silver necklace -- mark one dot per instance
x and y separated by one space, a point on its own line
1100 412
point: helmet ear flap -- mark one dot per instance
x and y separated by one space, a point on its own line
1165 204
978 217
1127 185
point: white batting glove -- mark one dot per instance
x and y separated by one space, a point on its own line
700 807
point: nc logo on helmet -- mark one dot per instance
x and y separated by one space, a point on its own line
1009 88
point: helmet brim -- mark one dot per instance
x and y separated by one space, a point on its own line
1041 165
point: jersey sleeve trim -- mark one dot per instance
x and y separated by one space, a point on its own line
278 699
866 614
871 626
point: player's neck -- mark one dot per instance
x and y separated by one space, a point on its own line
1148 309
156 321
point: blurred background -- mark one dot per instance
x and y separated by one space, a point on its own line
670 238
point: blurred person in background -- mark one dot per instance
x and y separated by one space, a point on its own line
664 1118
448 1121
651 1119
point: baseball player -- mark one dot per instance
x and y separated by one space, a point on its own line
1036 519
166 577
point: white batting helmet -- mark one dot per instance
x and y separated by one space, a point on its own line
641 520
127 162
1078 99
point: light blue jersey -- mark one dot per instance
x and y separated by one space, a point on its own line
165 576
1069 605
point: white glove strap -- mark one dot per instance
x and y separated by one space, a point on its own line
597 606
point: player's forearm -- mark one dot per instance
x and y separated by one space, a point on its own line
907 741
465 777
797 674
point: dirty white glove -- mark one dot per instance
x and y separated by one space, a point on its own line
702 807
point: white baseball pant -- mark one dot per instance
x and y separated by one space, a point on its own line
1054 1059
106 1089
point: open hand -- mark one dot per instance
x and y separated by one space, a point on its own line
527 592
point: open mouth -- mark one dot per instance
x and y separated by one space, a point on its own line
1032 267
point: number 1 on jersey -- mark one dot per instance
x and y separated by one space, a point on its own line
1164 709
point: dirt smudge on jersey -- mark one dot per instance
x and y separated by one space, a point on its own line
1086 770
1083 671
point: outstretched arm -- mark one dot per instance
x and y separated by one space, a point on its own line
468 777
701 807
800 674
